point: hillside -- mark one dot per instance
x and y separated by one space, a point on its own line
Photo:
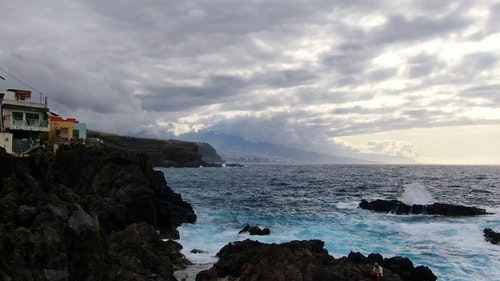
165 153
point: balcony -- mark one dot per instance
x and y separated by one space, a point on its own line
29 125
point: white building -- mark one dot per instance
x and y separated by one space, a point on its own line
23 122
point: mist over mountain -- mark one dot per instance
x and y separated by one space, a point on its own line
234 148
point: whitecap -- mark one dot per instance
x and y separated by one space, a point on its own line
416 194
347 205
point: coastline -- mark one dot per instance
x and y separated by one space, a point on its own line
275 197
113 199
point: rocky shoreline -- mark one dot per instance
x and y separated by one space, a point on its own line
103 213
88 213
304 260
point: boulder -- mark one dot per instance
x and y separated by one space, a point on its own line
422 273
399 208
400 265
139 250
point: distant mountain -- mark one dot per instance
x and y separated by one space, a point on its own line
241 150
235 149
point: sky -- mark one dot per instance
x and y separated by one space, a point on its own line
418 79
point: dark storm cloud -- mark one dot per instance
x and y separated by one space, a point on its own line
68 87
494 18
421 114
382 74
283 79
194 27
423 65
478 62
298 70
400 28
362 110
350 60
217 89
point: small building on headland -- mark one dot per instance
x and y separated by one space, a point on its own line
68 129
25 124
23 121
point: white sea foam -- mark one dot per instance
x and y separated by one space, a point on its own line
347 205
454 248
416 193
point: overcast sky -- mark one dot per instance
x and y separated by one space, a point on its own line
414 78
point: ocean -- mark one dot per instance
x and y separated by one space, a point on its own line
301 202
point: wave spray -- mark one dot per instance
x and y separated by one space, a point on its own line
416 194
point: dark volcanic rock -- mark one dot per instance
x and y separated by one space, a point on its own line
399 208
87 214
120 187
491 236
139 250
303 260
255 230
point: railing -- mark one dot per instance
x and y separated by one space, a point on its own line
30 124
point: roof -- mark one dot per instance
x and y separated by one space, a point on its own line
60 119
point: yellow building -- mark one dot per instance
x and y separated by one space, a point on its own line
60 128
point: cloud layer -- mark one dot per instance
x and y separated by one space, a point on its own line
293 72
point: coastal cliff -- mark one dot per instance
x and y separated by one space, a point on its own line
88 213
165 153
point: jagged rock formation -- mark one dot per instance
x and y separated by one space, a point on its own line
87 214
491 236
304 260
399 208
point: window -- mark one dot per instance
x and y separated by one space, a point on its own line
32 119
18 116
64 133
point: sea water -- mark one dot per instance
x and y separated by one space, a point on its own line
301 202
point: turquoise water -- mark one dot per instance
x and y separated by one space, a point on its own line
320 202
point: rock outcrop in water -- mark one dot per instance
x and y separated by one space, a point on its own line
491 236
87 214
255 230
304 260
399 208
